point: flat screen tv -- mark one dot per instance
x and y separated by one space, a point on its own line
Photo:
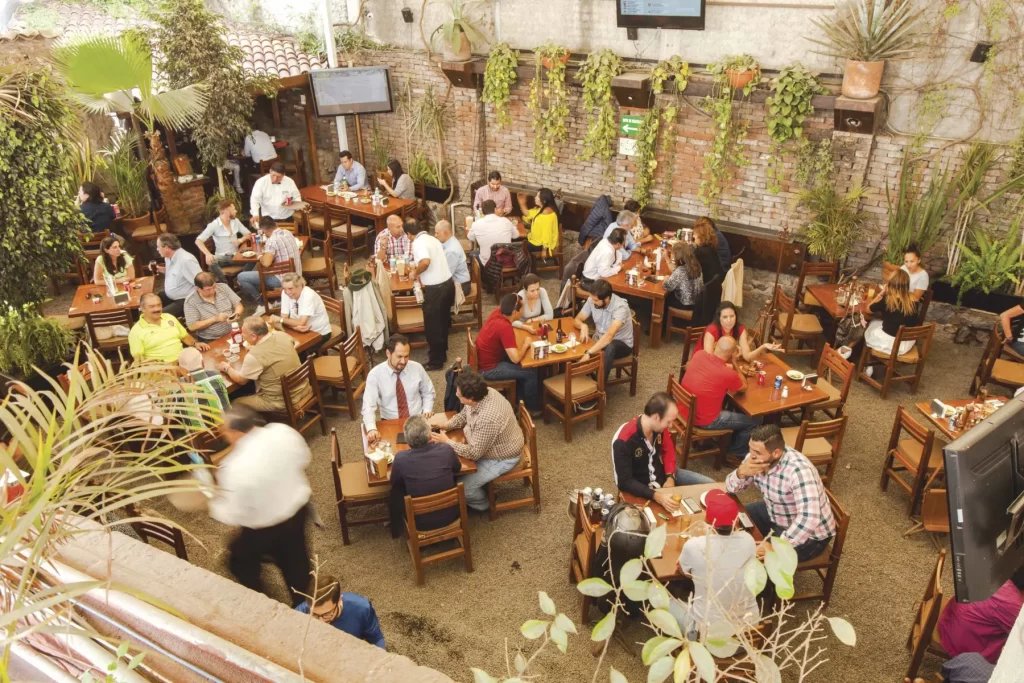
359 90
985 493
681 14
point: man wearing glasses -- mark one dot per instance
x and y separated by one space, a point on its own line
348 612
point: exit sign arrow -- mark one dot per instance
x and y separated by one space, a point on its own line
629 124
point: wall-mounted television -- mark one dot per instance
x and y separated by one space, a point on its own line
680 14
358 90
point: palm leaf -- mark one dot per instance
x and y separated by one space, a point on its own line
176 108
97 65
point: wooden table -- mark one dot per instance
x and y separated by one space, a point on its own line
398 285
570 356
378 214
215 354
389 430
942 423
826 296
759 401
83 305
666 567
644 290
303 241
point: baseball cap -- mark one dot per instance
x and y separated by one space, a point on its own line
720 509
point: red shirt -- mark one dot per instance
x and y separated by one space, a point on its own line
495 336
981 627
712 329
708 378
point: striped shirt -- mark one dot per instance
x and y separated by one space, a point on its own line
794 496
198 309
491 429
284 246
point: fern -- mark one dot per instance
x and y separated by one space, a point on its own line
991 266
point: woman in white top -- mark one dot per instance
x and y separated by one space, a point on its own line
536 304
403 187
918 275
113 260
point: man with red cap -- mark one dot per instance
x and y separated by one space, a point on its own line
716 562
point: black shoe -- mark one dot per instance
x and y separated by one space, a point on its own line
434 366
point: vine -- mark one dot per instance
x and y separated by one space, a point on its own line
678 71
548 87
932 106
668 143
596 76
646 155
499 76
789 105
726 150
1017 155
814 163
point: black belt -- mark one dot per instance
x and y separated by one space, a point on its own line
439 284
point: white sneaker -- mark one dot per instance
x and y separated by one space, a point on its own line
869 370
260 310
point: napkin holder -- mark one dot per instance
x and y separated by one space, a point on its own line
377 461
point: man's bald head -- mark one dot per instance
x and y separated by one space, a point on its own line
724 347
443 230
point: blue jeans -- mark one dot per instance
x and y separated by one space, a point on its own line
527 382
217 267
758 513
741 426
689 478
474 483
249 281
1018 346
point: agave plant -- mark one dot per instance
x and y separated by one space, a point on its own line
127 173
459 22
77 459
917 218
873 30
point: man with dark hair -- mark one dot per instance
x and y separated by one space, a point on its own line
983 627
438 292
613 323
271 356
180 269
351 172
348 612
279 247
491 229
211 308
493 191
272 196
157 335
499 355
493 437
606 258
228 235
262 488
795 506
99 213
399 388
423 469
644 454
625 221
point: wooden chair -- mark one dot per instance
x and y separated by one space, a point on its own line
210 445
625 368
922 306
817 271
923 639
102 341
826 565
153 530
76 273
820 442
351 490
457 530
355 238
693 340
508 281
407 318
274 269
905 456
789 325
563 394
475 300
507 387
935 511
316 219
578 294
65 382
528 470
230 271
302 410
581 554
922 334
674 315
144 237
555 263
346 371
999 365
835 377
689 434
335 310
321 267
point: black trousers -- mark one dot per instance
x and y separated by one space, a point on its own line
175 307
437 319
615 350
284 543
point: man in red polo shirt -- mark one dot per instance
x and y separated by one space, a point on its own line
498 354
709 376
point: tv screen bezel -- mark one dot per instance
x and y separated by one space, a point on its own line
316 101
661 21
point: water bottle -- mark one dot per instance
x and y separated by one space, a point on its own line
337 187
418 291
392 263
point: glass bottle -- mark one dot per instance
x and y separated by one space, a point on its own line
559 333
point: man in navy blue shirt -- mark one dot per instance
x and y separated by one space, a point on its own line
348 612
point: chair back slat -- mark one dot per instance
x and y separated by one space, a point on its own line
471 351
922 306
336 463
823 430
842 518
352 348
405 301
921 631
815 270
122 316
529 435
691 341
281 268
432 503
914 333
784 304
336 308
915 429
988 360
686 402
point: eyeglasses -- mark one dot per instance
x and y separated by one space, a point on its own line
329 615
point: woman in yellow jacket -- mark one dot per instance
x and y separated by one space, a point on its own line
542 221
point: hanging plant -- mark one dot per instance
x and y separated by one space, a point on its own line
668 142
596 76
549 102
732 74
814 164
499 77
676 73
646 155
788 106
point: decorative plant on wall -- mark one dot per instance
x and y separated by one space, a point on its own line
917 217
646 155
734 73
431 118
814 163
127 173
788 106
675 73
549 102
499 77
596 76
381 148
834 221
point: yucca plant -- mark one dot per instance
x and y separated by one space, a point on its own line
917 218
991 266
834 220
873 31
77 460
127 173
381 148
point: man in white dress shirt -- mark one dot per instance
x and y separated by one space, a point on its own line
272 196
398 388
438 292
606 259
490 230
263 490
303 310
258 147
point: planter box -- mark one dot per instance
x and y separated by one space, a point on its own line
996 302
438 195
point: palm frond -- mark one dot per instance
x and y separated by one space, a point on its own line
97 65
176 108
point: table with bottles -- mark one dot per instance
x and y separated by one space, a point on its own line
221 349
632 281
358 204
779 392
840 300
303 240
543 355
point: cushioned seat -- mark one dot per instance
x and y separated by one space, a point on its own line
524 462
471 297
147 232
700 433
316 220
111 343
73 324
342 230
582 387
409 317
1008 372
314 264
329 367
811 300
353 483
820 561
813 448
804 323
232 271
834 395
335 330
910 450
911 356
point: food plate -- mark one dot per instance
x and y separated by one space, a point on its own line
364 200
347 195
559 348
795 375
248 254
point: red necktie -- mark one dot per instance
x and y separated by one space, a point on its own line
403 402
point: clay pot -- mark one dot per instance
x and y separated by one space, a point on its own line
464 53
861 80
546 61
888 270
739 79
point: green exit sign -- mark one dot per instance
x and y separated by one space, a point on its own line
629 124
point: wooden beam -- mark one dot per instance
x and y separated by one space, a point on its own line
314 158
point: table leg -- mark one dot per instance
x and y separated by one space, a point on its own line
379 224
657 317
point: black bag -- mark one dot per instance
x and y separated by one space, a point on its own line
618 549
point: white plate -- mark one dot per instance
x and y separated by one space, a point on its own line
795 375
559 348
248 254
704 499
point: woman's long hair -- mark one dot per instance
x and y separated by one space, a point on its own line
547 200
704 231
683 255
897 294
725 306
396 171
108 262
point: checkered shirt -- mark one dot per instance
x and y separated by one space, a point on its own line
284 246
794 496
400 247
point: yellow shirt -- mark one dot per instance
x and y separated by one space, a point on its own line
157 342
543 229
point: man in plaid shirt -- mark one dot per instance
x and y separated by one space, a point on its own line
795 505
280 246
393 242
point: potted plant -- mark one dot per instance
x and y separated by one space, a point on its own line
126 174
834 220
867 34
726 153
552 54
992 267
436 180
499 77
381 149
742 70
29 341
459 34
788 106
432 115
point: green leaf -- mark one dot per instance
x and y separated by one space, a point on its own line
595 587
547 605
656 541
636 590
519 662
604 628
660 670
704 662
783 583
754 576
136 660
559 638
631 571
481 676
787 556
122 650
663 620
534 628
843 630
565 623
658 647
615 677
683 666
658 595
